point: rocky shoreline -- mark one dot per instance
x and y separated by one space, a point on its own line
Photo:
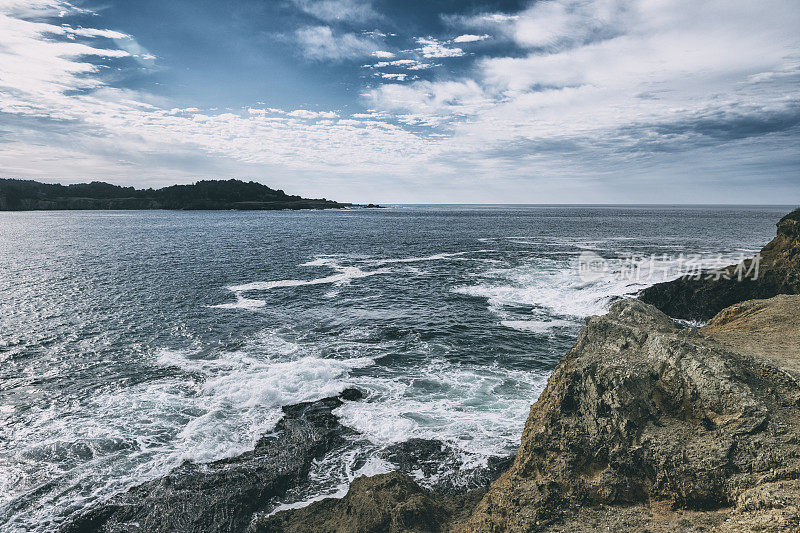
700 299
229 494
643 426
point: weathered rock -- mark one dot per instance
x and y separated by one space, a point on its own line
387 503
224 495
640 415
642 427
701 299
442 465
768 329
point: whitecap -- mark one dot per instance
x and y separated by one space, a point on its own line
434 257
241 303
539 326
477 409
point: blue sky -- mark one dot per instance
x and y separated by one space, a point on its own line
557 101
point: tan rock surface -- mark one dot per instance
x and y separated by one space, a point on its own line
642 427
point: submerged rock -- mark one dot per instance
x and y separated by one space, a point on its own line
701 299
224 495
442 466
387 503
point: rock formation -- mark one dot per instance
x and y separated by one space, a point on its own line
387 503
641 415
701 299
642 426
224 495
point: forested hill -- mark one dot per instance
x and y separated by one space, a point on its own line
22 195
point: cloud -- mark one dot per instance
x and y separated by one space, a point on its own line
321 43
431 48
392 76
382 54
339 10
38 68
568 22
408 64
431 103
613 86
469 38
481 21
310 115
60 115
695 57
646 96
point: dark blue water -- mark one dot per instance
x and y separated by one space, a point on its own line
131 341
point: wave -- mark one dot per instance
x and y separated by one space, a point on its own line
541 294
477 409
344 275
434 257
193 408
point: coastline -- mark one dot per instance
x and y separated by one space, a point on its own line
642 425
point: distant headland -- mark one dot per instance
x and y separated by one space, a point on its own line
28 195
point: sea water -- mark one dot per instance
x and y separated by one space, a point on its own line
133 341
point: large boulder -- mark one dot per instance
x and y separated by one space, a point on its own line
639 412
387 503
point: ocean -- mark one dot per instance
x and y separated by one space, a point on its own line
133 341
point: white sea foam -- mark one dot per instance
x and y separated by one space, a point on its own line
555 289
434 257
329 469
216 407
344 275
241 303
541 327
477 409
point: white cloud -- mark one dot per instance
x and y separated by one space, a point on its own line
559 22
408 64
610 83
320 43
48 87
310 115
432 103
91 32
469 38
339 10
392 76
37 69
431 48
652 89
382 54
481 21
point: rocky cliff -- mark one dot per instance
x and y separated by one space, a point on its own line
642 419
701 299
642 426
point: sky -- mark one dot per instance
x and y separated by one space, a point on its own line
410 101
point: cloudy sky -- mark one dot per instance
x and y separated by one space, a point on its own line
565 101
